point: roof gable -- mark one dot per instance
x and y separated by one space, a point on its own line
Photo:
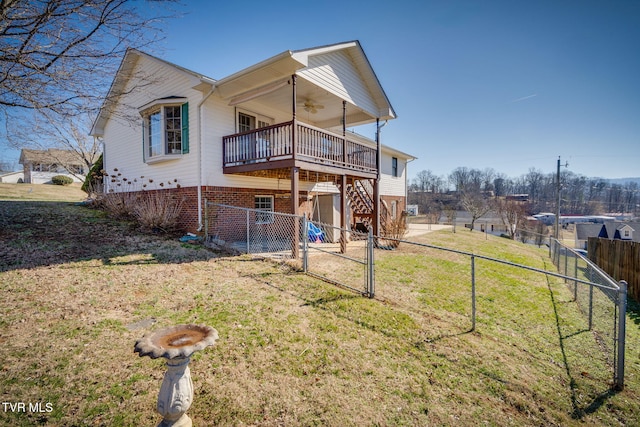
126 71
341 69
50 156
347 63
603 232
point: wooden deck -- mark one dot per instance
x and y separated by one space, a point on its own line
285 145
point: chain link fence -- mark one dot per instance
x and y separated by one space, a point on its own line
341 257
451 300
601 299
346 258
253 231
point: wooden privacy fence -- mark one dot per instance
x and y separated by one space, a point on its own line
620 259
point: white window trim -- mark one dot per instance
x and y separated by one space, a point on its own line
146 111
268 217
258 118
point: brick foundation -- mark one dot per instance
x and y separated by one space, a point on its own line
244 197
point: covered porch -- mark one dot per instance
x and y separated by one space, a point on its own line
313 96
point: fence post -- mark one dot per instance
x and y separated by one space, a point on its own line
621 332
371 277
248 241
590 298
473 293
305 244
575 276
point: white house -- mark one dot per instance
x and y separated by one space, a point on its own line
273 136
40 166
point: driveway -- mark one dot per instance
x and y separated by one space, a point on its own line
420 229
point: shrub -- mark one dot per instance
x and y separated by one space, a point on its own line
394 231
154 209
158 211
62 180
93 181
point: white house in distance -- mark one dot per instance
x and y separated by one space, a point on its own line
272 136
40 166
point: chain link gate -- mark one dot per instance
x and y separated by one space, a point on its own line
328 256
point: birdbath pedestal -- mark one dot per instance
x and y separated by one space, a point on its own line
176 344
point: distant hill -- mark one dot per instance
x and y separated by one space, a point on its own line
623 181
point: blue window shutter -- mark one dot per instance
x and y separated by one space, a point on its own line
185 128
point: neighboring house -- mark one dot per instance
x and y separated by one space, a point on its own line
40 166
12 177
612 230
273 136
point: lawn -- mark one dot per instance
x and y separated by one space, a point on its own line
78 289
41 192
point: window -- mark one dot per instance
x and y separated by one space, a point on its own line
246 122
250 121
264 203
394 166
256 145
165 129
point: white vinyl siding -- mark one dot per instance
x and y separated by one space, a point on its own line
336 72
391 185
124 140
124 144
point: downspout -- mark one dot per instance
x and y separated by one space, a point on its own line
200 104
376 187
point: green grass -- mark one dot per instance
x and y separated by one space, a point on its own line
294 350
42 192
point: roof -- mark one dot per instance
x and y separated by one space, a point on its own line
586 230
50 156
123 74
263 77
608 230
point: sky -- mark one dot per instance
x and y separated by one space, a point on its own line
508 85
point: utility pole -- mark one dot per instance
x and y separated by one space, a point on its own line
558 190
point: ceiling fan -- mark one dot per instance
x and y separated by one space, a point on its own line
311 107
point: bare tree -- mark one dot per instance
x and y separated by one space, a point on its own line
534 180
57 61
47 130
7 165
60 55
512 214
541 233
459 178
488 177
501 185
475 204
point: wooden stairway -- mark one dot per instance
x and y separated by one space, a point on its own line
360 194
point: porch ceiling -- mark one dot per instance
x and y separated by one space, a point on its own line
269 83
328 111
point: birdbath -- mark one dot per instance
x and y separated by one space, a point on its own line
176 344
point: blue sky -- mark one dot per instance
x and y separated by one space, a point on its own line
508 85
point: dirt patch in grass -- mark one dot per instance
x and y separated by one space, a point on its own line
78 289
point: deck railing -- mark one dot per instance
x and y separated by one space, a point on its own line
313 145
